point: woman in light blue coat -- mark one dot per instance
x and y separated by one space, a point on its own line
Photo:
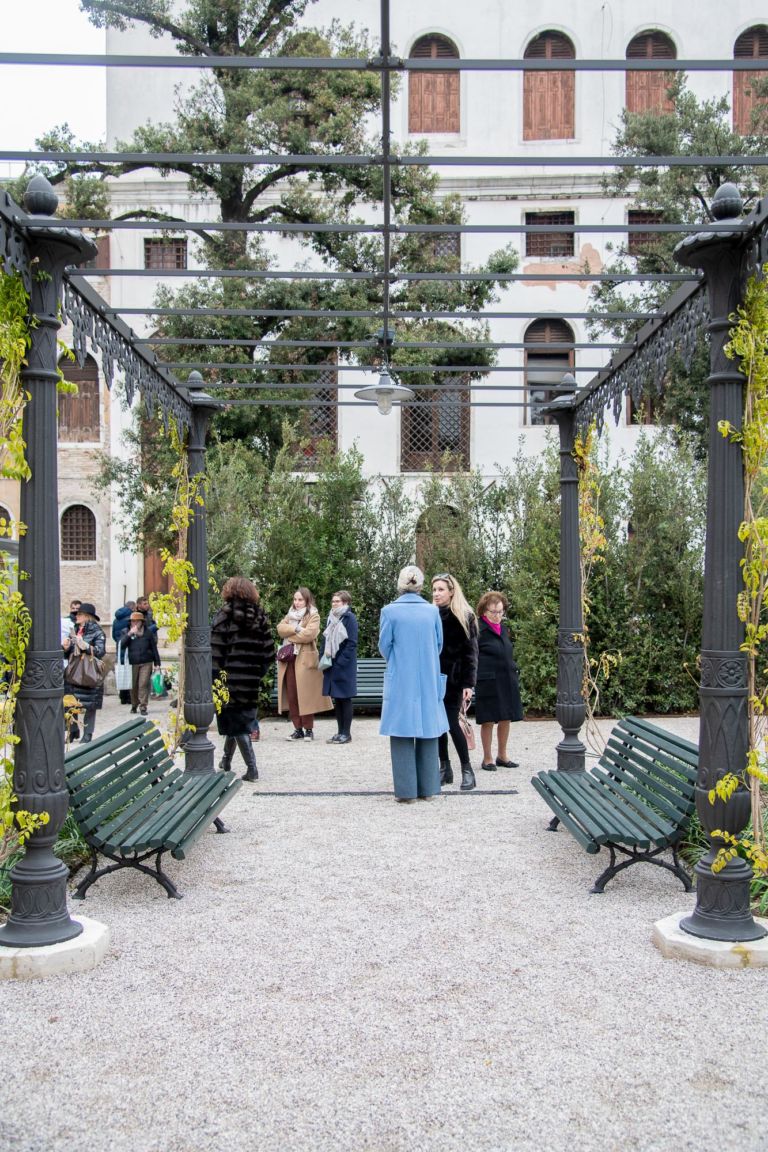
412 713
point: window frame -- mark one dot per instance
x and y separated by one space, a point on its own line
555 363
416 459
540 239
425 85
550 87
176 246
647 91
92 524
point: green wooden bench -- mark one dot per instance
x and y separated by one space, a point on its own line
131 803
636 801
370 683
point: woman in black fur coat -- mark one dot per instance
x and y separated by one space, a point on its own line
458 662
243 648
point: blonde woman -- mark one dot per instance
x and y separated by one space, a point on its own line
458 661
299 680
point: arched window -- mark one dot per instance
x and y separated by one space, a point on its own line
647 91
544 369
436 423
433 97
752 44
79 418
78 534
548 97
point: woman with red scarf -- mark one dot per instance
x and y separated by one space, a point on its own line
497 695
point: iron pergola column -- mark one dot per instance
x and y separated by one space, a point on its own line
722 899
39 913
570 708
198 697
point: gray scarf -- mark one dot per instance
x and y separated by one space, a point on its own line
335 632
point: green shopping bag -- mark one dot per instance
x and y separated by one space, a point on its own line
158 683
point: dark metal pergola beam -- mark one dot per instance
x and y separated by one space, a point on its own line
149 224
375 277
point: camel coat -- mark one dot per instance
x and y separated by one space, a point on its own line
309 678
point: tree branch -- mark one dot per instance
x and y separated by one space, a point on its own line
154 20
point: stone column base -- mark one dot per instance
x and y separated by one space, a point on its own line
675 944
77 955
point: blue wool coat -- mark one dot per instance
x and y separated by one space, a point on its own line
340 680
410 639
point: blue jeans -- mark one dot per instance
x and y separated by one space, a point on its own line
415 767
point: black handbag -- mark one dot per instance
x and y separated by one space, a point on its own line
84 670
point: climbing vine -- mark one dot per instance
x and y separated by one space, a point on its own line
16 825
749 346
592 550
170 608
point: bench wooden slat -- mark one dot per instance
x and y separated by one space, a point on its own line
97 798
123 824
662 766
158 826
617 821
565 815
187 821
657 828
674 803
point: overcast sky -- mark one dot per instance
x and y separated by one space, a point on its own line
34 98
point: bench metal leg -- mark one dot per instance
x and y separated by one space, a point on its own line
127 862
552 826
635 857
219 825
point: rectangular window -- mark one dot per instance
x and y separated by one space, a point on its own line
436 423
638 242
165 254
555 245
320 423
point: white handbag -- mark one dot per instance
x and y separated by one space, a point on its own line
123 673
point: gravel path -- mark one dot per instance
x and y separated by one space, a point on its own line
346 973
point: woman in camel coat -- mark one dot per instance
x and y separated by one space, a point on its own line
300 681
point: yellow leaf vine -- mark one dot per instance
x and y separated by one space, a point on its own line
16 825
592 541
748 345
170 608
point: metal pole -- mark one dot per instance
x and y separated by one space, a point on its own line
570 708
722 900
39 913
198 699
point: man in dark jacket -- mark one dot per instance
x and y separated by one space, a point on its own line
140 641
142 605
120 624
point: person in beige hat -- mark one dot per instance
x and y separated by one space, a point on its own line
141 644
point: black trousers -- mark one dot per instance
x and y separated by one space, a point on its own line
343 712
453 697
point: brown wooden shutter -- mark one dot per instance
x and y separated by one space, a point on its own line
79 416
549 97
647 91
751 44
433 97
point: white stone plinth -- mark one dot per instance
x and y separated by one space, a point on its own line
78 955
675 944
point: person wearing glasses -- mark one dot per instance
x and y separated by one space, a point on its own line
458 661
412 711
497 697
339 663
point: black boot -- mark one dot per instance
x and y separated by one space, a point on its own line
247 753
446 772
225 764
468 781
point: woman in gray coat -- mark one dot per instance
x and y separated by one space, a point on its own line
412 713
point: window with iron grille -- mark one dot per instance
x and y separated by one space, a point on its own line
552 244
638 243
436 423
433 97
646 412
79 416
544 370
647 91
752 44
549 97
319 423
78 534
165 254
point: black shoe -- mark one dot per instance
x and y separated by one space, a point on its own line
468 781
309 734
134 711
343 739
251 775
297 734
490 767
506 763
446 772
143 710
334 739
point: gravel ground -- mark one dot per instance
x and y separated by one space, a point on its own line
347 973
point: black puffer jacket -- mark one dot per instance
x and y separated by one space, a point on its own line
243 647
142 647
458 658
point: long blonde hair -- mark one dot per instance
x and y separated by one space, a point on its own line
459 604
